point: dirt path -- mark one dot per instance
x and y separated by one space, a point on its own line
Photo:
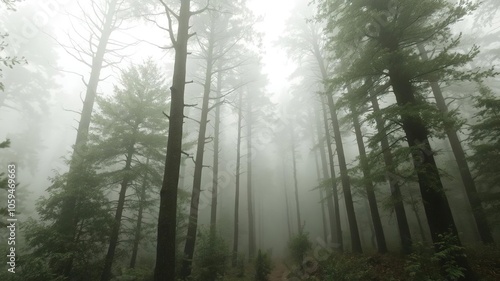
278 272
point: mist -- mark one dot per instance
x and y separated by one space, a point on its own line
249 140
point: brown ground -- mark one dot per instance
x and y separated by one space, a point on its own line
278 272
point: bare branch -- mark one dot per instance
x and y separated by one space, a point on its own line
201 10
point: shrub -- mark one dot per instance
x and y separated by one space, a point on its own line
210 261
263 266
298 247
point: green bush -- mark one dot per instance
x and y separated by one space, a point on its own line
347 267
298 247
212 254
263 266
425 265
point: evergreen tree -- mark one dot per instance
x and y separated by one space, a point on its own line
129 128
379 39
485 142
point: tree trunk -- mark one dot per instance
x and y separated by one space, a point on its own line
321 197
215 175
346 182
67 221
416 211
237 193
198 167
138 226
167 218
437 208
251 220
338 226
115 230
458 151
294 162
288 221
369 187
326 176
399 210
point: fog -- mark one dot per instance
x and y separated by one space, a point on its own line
340 133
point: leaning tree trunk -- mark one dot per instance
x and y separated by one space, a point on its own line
237 186
346 183
399 209
344 177
369 187
458 151
251 219
437 208
167 218
198 166
115 230
338 226
67 221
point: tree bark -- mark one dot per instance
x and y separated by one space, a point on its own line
237 191
369 187
482 225
346 182
399 210
339 239
437 208
167 218
198 167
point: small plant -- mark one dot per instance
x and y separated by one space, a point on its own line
263 266
210 262
423 265
347 267
240 266
298 247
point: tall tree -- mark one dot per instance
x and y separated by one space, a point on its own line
392 33
166 246
458 151
142 99
237 183
214 44
365 168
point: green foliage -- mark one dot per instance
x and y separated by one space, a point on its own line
425 265
485 138
135 274
240 265
212 254
347 268
298 246
263 266
45 240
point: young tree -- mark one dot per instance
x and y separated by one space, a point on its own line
130 127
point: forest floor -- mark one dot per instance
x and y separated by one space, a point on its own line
278 272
